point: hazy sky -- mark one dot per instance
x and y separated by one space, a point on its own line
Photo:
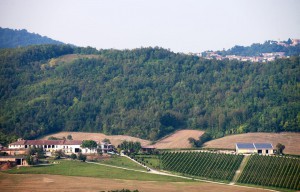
181 25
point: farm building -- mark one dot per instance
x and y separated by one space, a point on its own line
17 160
67 146
250 148
148 149
8 151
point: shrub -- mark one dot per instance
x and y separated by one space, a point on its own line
73 156
81 157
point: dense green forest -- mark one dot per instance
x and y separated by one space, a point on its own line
257 49
147 92
10 38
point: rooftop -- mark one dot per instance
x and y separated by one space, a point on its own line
47 142
254 145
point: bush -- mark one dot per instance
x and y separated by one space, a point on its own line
124 190
81 157
30 160
73 156
69 137
53 138
3 154
58 154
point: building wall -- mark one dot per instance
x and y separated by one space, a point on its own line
263 151
68 149
251 151
245 151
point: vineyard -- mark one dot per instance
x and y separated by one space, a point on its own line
202 164
272 171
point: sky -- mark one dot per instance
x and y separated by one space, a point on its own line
179 25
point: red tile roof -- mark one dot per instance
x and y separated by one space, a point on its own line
47 142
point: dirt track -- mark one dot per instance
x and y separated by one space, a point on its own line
290 140
56 183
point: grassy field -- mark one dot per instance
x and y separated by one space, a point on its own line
149 160
122 162
76 168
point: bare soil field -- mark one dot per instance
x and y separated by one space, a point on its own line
56 183
290 140
70 57
114 139
178 140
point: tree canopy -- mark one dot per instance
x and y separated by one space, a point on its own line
91 144
147 93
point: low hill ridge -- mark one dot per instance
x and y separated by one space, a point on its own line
12 38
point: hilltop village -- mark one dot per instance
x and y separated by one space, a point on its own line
262 57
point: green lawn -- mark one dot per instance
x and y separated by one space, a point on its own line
122 162
76 168
149 160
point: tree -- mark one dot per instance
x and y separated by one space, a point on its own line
280 147
73 156
81 157
58 154
30 160
53 138
40 153
69 137
192 141
99 151
37 151
90 144
130 146
202 139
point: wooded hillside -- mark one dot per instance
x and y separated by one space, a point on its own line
147 92
11 38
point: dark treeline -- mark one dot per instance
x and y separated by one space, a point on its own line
147 92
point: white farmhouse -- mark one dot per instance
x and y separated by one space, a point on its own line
67 146
250 148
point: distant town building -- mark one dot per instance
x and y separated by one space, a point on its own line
295 42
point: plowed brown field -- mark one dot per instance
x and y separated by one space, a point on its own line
114 139
56 183
290 140
178 140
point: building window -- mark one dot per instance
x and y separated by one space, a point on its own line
259 151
